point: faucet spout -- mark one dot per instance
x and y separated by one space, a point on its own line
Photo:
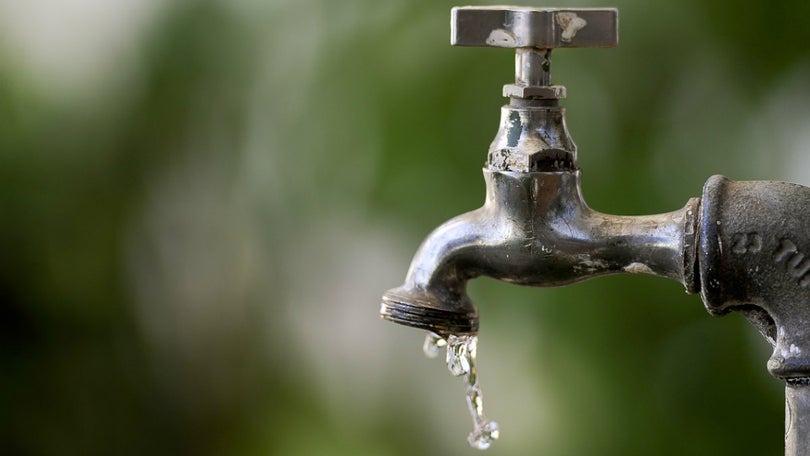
535 229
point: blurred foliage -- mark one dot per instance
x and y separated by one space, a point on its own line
175 236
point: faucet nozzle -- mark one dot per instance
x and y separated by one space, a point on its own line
424 309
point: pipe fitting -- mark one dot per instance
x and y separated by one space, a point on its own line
754 257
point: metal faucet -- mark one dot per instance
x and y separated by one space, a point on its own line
742 245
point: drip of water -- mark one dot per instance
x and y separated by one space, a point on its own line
433 345
461 353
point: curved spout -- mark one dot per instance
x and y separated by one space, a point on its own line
536 230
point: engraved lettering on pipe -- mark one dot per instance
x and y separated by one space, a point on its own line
795 262
742 243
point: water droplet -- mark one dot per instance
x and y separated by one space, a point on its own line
458 354
461 353
433 345
482 436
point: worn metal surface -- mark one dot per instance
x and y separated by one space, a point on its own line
533 33
532 137
532 67
754 242
754 257
534 229
541 92
745 245
797 419
544 28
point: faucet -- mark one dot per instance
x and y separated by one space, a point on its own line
744 246
534 227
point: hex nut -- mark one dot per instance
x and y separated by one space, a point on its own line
541 92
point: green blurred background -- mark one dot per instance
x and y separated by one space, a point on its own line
203 200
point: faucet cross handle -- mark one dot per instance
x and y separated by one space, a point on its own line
533 33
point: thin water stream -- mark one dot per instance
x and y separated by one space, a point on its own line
461 354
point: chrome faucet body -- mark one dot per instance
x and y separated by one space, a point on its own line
743 245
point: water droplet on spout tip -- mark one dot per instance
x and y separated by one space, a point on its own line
459 356
433 345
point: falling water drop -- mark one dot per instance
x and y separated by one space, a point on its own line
458 354
461 353
433 345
